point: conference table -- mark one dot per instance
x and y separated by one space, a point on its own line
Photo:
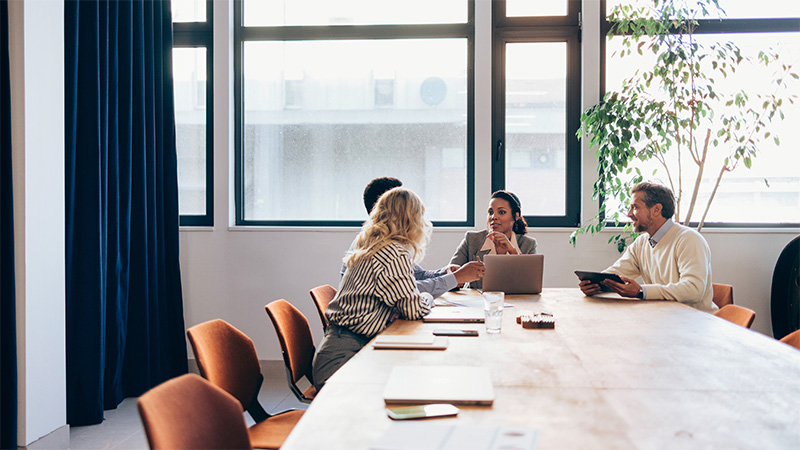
613 373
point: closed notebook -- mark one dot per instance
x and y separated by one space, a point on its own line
458 385
410 343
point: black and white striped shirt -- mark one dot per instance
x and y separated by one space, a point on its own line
374 289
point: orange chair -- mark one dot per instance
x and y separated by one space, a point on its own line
322 296
792 339
297 345
190 412
737 314
723 294
227 358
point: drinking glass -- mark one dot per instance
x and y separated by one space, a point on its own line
493 309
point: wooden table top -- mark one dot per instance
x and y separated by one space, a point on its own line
612 374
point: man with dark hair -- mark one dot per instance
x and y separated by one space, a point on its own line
376 188
674 261
434 282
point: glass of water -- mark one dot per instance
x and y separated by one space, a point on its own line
493 308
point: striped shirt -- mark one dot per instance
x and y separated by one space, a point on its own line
376 288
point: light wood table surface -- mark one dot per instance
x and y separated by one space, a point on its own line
612 374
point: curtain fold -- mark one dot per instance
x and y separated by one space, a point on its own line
125 329
8 319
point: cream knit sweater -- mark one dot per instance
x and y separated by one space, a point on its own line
677 268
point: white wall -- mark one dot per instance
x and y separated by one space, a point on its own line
37 97
232 273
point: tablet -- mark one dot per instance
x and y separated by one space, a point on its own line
598 277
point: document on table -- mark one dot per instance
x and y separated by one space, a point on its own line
439 436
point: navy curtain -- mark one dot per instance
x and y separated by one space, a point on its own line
8 320
125 329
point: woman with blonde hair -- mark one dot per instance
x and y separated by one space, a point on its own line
378 285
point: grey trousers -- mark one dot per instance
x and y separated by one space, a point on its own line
337 347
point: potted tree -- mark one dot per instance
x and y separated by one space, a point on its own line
683 112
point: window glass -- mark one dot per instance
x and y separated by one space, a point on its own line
189 10
535 137
322 118
189 75
352 12
528 8
734 9
769 192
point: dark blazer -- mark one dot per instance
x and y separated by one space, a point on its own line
469 248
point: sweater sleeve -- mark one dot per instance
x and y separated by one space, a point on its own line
628 264
693 263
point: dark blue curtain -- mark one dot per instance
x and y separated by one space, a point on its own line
8 320
125 329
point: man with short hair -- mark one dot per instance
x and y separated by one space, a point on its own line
674 261
434 282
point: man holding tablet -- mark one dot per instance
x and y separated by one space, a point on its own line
674 261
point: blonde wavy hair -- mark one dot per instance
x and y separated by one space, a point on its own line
398 216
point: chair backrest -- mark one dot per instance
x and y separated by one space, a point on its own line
322 296
297 345
190 412
723 294
227 358
737 314
792 339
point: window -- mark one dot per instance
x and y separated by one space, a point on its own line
330 95
191 70
536 108
769 192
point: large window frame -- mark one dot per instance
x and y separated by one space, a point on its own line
200 35
565 29
241 34
708 26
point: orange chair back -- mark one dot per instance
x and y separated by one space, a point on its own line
792 339
189 412
723 294
737 314
322 296
227 358
294 335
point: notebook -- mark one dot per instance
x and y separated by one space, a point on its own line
410 343
449 314
513 274
458 385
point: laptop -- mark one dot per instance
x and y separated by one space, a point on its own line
513 274
458 385
450 314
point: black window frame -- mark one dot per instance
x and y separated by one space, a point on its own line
540 29
708 26
201 35
241 34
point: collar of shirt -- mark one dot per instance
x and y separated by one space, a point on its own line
661 232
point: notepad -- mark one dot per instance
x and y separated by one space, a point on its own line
410 343
419 385
440 436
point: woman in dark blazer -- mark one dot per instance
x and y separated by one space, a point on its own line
505 233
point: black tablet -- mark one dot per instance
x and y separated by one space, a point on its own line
598 277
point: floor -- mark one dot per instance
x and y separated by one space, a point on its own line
122 429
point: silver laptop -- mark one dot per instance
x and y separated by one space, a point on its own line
513 274
459 385
451 314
